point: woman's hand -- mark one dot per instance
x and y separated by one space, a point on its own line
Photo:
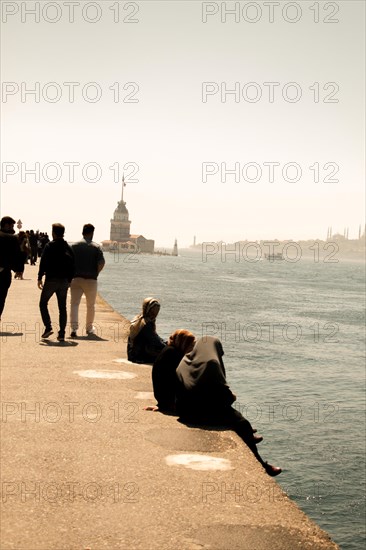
151 408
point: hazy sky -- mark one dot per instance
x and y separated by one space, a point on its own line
149 81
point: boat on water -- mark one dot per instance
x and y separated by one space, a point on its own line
275 256
126 247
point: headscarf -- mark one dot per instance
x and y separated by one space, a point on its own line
182 340
203 368
138 323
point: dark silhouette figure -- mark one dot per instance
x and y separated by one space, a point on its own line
57 263
10 257
204 397
164 375
33 243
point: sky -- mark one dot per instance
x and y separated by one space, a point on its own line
229 120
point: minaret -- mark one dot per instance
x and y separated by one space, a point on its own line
175 249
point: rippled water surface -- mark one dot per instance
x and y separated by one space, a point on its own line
293 335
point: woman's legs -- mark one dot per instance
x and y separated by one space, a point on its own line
236 421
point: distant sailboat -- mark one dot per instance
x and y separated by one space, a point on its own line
175 249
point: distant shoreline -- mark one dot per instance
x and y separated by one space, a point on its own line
328 251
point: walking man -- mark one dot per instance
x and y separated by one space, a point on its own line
58 264
11 258
89 262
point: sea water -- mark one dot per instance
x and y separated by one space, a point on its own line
293 337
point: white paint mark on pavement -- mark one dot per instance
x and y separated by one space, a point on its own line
144 395
116 374
127 362
199 462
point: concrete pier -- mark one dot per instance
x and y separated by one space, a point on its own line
83 466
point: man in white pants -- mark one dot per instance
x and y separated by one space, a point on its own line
89 262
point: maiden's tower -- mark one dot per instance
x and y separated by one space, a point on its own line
121 239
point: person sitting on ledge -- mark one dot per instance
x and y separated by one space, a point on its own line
204 397
144 344
164 376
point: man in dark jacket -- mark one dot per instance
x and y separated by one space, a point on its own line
10 257
58 264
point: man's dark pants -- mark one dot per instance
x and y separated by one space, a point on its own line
34 254
60 287
5 282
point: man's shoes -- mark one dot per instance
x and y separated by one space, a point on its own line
272 470
73 334
61 337
91 331
47 332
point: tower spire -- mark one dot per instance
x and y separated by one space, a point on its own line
123 185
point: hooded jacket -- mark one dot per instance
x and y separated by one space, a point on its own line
202 386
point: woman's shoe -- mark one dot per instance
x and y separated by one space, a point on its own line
272 470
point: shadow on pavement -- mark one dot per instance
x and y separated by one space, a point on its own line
55 343
89 338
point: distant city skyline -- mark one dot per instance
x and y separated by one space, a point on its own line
330 232
360 235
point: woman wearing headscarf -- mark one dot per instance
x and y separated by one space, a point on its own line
204 397
164 376
144 344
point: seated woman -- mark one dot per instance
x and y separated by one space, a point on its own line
144 344
164 376
204 397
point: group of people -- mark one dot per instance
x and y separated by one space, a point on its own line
188 374
31 246
63 266
189 378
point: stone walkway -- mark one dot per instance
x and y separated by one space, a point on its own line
85 467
